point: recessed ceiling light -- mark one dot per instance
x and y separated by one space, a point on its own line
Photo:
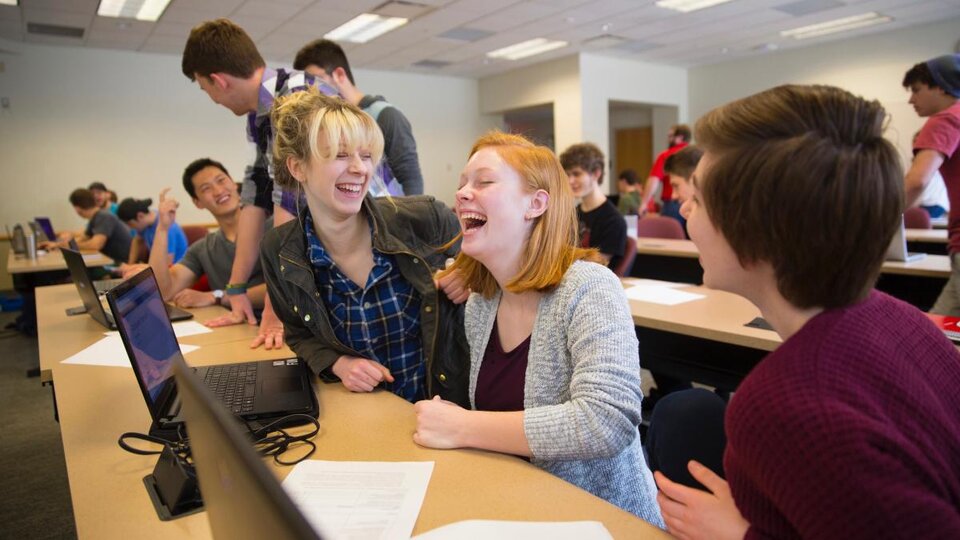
526 48
8 2
837 25
687 6
365 27
142 10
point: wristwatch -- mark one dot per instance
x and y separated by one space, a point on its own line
217 296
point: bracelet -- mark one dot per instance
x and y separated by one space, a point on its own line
234 289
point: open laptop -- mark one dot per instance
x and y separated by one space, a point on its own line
91 297
46 227
898 247
242 497
268 389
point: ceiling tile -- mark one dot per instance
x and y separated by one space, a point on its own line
267 10
12 30
10 13
61 18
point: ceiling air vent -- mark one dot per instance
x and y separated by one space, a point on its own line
465 34
431 64
806 7
54 30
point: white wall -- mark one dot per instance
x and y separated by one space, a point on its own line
613 79
133 121
555 81
871 66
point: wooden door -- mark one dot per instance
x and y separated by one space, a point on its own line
634 151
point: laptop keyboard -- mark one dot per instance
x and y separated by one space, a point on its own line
235 385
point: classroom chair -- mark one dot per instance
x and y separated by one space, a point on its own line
194 233
916 218
653 226
626 263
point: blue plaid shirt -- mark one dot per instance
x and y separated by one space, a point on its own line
381 320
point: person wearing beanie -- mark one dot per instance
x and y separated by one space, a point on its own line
935 94
136 213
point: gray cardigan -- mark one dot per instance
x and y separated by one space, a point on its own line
582 390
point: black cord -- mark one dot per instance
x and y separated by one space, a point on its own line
273 440
269 440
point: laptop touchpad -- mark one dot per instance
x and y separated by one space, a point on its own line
282 385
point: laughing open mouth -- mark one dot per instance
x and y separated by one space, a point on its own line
472 220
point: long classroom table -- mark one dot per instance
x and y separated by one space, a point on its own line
97 404
918 282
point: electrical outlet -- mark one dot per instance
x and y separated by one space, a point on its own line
4 102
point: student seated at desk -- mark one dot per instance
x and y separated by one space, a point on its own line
210 187
104 233
601 225
851 428
352 276
106 199
553 352
136 213
679 167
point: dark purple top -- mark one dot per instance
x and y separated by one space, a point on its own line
502 376
851 429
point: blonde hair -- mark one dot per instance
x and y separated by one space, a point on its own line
303 122
554 239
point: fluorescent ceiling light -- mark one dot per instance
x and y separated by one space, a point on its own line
8 2
142 10
687 6
527 48
364 27
837 25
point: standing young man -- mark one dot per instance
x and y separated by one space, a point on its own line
601 225
226 64
935 94
677 138
326 60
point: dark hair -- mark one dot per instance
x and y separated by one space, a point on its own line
83 198
113 195
802 178
129 208
629 176
98 186
220 46
919 73
584 155
683 131
683 162
324 54
195 167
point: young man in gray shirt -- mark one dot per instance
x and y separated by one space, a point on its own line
326 60
211 188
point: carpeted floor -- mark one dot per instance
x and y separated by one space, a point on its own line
34 494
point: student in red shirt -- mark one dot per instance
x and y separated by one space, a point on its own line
677 138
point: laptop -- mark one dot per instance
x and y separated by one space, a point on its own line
898 247
91 297
46 227
268 389
242 496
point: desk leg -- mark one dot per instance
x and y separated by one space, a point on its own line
53 394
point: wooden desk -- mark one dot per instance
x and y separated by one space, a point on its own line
704 340
918 282
49 261
938 236
97 404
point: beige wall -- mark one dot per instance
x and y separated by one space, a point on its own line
872 66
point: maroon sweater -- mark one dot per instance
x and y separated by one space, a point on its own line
851 429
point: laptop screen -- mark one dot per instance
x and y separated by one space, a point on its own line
141 316
47 227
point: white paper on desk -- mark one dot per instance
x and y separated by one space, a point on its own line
360 499
636 282
109 351
180 329
660 295
518 530
92 256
